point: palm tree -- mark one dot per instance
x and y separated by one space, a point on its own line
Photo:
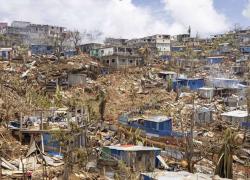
224 166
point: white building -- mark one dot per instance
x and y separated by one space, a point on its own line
159 44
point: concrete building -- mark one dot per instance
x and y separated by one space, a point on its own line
87 48
115 41
119 57
20 24
22 32
159 44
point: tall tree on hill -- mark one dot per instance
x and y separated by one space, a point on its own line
59 41
76 38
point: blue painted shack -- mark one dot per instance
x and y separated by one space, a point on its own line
215 59
165 57
139 158
41 49
245 49
155 125
6 53
178 48
52 146
191 83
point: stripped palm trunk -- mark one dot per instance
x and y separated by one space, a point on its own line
224 167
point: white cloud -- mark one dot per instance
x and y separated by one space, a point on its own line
246 11
117 18
112 17
201 15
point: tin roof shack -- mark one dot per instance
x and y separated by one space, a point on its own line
225 48
139 158
190 83
245 49
206 92
168 175
6 53
153 126
237 117
41 49
214 59
226 87
167 75
225 83
77 79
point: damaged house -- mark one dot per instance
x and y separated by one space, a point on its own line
237 117
225 86
203 115
159 44
119 57
152 126
214 59
167 75
42 49
77 79
87 48
206 92
6 53
190 83
139 158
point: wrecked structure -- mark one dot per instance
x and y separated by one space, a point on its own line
139 158
119 57
159 44
142 118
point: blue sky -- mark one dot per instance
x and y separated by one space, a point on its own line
132 18
231 8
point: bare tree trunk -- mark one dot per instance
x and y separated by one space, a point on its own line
0 167
66 165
